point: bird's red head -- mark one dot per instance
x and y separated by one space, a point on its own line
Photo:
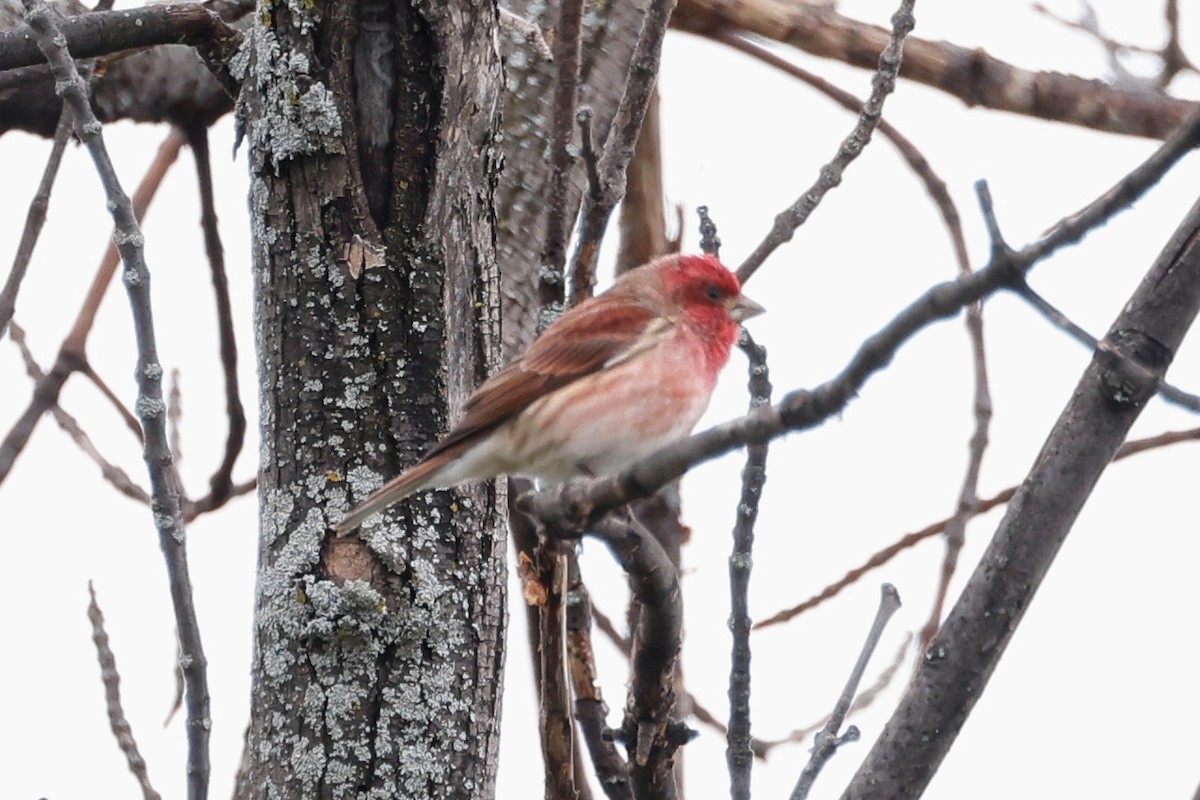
710 298
702 285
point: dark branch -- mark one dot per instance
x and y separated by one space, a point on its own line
551 280
104 32
1058 319
739 754
590 709
1107 401
168 517
651 737
555 701
221 483
972 75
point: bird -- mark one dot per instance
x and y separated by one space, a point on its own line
615 378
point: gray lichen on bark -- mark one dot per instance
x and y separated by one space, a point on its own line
377 657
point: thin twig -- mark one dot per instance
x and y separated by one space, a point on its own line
111 678
168 517
710 243
608 628
35 218
1173 58
1167 391
738 754
127 416
116 476
909 540
72 353
221 483
828 740
864 700
175 418
883 82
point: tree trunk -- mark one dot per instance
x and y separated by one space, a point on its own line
377 663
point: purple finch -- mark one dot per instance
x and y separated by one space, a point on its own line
614 379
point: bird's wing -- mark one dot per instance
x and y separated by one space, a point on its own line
585 340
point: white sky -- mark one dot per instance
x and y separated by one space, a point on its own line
1097 695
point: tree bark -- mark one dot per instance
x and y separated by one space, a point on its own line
377 656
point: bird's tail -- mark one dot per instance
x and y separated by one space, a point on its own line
419 477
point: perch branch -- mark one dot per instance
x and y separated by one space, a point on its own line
584 501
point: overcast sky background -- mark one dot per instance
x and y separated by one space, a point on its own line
1097 695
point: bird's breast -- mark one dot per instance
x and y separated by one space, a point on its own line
607 420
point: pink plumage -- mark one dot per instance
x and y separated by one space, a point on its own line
614 379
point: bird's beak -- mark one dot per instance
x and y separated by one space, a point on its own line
744 308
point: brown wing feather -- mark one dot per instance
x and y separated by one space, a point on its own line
580 343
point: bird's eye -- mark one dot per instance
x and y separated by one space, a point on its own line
712 292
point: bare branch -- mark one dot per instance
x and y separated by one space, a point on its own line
1058 319
168 517
175 418
112 697
127 416
72 353
910 540
35 218
555 701
864 699
972 75
738 754
650 736
883 82
220 484
103 32
828 740
116 476
1108 400
590 709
